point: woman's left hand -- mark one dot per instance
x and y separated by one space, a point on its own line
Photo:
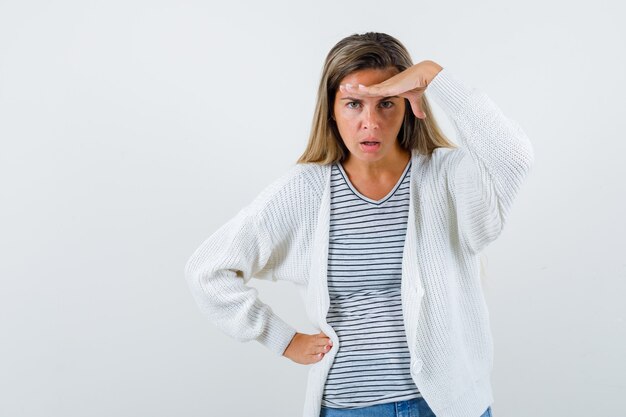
410 84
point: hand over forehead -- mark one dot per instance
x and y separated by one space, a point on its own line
361 90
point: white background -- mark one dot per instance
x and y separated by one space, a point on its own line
131 130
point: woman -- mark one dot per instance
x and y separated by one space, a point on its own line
381 224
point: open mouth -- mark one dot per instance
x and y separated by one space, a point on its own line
370 146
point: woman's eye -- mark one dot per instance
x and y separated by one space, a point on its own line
385 104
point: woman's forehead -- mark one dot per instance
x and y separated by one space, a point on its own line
369 75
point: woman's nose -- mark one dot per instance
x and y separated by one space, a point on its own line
371 119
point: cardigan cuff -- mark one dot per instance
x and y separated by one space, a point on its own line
449 92
277 335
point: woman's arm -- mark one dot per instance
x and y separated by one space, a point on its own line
494 158
217 273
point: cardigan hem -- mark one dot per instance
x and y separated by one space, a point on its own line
473 402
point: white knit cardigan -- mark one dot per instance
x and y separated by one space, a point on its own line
459 201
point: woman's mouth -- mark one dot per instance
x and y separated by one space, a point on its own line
368 146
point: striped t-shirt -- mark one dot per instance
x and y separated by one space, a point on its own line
372 365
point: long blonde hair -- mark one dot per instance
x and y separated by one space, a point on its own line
356 52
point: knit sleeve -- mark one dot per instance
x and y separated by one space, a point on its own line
492 161
217 274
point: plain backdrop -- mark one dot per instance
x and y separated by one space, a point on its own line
131 130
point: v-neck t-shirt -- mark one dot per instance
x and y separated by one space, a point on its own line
366 241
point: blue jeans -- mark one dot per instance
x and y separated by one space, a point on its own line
416 407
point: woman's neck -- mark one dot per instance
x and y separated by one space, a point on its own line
393 164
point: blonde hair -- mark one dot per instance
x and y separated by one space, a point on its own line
356 52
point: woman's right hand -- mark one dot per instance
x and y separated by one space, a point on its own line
306 349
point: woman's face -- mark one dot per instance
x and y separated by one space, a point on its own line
368 119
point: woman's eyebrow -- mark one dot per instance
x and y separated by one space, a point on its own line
357 99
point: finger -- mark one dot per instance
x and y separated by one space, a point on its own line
324 349
384 89
348 88
417 109
365 91
372 90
